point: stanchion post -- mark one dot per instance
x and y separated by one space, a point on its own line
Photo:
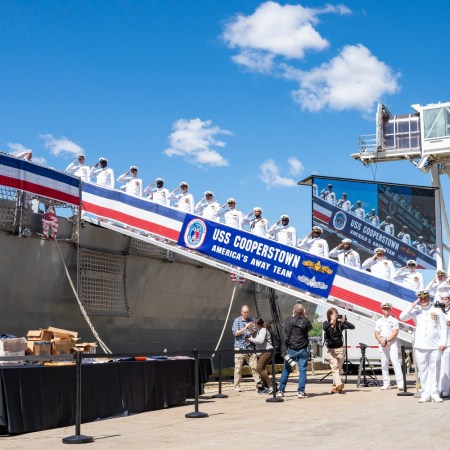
274 398
196 414
78 438
405 393
220 395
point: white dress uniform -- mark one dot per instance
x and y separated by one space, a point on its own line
316 246
132 186
258 226
444 379
405 237
411 280
208 210
431 332
347 257
81 171
329 197
374 220
232 217
158 195
381 268
437 288
345 205
359 213
422 247
385 326
389 228
22 155
105 177
184 202
286 235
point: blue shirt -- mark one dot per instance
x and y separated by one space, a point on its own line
241 340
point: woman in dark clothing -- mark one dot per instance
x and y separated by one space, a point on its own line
333 328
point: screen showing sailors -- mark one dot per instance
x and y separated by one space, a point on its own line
346 255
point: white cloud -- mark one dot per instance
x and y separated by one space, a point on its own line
61 145
269 173
295 166
194 140
276 30
355 79
16 148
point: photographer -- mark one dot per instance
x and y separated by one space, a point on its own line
334 340
296 329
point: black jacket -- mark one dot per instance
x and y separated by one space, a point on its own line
333 336
296 331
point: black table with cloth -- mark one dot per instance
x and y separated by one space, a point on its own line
34 398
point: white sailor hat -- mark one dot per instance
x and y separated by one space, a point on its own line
445 294
317 228
159 180
231 200
183 183
257 208
411 261
423 293
102 159
346 241
209 193
379 250
80 155
284 216
133 168
386 305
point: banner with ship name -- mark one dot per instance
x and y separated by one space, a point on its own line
35 179
259 255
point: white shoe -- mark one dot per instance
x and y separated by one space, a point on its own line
436 399
280 394
237 389
385 387
424 399
400 387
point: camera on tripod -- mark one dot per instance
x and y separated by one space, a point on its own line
363 346
289 360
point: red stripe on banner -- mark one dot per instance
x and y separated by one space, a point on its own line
131 221
324 218
39 190
365 302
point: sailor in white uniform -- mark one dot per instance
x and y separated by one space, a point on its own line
404 235
386 331
444 379
184 201
258 225
315 244
379 265
346 255
232 216
104 175
27 155
409 277
388 226
283 232
79 168
328 195
430 340
159 194
133 184
420 245
357 210
438 285
344 203
373 218
207 207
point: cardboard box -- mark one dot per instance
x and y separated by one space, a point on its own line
62 346
87 347
12 345
39 348
39 335
62 334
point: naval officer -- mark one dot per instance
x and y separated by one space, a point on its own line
284 233
346 255
258 225
315 244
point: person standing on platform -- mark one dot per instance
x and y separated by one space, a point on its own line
357 210
438 285
284 233
373 218
133 184
344 203
258 225
386 331
409 277
232 216
420 245
328 195
334 340
346 255
185 200
207 207
296 329
379 265
315 244
444 381
104 175
79 168
159 194
27 155
404 235
388 226
243 328
430 340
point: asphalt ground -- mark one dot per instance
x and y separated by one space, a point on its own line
360 418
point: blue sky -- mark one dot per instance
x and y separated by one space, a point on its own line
244 98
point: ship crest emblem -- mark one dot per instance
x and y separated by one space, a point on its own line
339 220
195 233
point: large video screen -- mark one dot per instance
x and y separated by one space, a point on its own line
399 218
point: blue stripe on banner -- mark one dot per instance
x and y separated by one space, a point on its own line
259 255
137 202
21 164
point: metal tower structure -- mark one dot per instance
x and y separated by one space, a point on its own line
423 138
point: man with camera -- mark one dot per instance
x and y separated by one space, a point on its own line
243 328
386 331
296 329
430 340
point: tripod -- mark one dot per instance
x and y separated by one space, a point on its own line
346 362
362 369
